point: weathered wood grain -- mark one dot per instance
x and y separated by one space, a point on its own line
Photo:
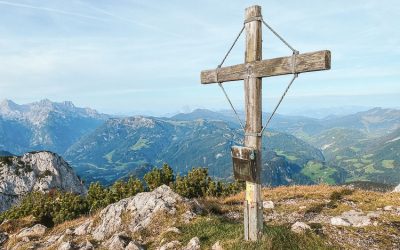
253 109
252 72
307 62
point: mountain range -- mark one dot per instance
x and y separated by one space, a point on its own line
297 149
138 143
44 125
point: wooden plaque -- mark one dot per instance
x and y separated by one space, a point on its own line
244 163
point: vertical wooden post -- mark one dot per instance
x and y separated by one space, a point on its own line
253 213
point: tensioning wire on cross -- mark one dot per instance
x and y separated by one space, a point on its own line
295 74
247 159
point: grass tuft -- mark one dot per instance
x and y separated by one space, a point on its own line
211 229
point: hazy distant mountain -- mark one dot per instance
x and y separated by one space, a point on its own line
361 146
375 121
289 124
207 115
321 113
44 125
124 145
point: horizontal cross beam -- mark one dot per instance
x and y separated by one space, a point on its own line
313 61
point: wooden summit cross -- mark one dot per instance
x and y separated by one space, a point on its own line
252 72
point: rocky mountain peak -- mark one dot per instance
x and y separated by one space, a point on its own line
44 125
45 102
38 112
69 104
134 122
8 103
36 171
7 107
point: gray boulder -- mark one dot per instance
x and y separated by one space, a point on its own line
83 228
117 242
300 227
35 231
194 244
170 245
135 213
86 246
217 246
65 246
354 219
268 205
134 246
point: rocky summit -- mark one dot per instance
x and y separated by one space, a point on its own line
298 217
113 226
36 171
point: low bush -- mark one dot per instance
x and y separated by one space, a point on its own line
56 207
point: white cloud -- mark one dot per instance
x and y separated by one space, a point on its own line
134 51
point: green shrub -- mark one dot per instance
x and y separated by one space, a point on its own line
134 186
99 197
159 176
195 184
215 188
56 207
232 188
48 208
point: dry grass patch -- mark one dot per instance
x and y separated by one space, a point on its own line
153 235
60 228
370 201
219 206
281 193
13 226
297 192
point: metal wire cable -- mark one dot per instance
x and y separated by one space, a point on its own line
295 75
220 84
277 35
233 108
230 49
279 103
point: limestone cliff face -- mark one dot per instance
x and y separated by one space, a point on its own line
38 171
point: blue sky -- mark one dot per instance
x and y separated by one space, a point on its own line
146 56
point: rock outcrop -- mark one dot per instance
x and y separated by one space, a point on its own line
36 171
135 212
300 227
35 231
114 226
161 219
354 219
397 189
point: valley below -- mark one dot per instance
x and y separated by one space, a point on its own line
363 146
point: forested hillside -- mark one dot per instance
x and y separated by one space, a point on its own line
336 149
